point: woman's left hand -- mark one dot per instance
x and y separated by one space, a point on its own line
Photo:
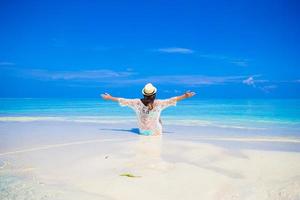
189 94
106 96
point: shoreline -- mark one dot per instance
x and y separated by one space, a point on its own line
243 124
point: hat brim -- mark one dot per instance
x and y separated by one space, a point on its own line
149 94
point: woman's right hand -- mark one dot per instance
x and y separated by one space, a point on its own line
189 94
106 96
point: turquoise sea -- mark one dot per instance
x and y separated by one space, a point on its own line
283 114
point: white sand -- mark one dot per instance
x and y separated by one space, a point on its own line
59 160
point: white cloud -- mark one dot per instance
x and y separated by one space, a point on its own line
188 80
268 88
249 81
121 78
252 82
241 62
127 78
214 56
75 75
260 84
6 63
176 50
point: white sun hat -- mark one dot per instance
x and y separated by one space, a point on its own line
149 90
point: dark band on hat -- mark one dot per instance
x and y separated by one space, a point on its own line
149 94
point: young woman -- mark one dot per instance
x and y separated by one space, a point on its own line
148 109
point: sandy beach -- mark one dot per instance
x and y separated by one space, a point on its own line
72 160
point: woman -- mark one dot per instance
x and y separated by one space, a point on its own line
148 109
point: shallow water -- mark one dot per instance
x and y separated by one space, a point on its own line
232 113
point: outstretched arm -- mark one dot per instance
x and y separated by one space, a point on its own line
187 94
172 101
107 96
132 103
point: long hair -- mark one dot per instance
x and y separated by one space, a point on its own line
148 101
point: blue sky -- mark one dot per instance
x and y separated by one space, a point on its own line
220 49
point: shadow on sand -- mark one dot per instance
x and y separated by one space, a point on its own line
132 130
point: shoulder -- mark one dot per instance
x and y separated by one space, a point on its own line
166 100
125 99
136 100
128 102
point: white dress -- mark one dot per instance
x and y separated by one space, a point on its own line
148 120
